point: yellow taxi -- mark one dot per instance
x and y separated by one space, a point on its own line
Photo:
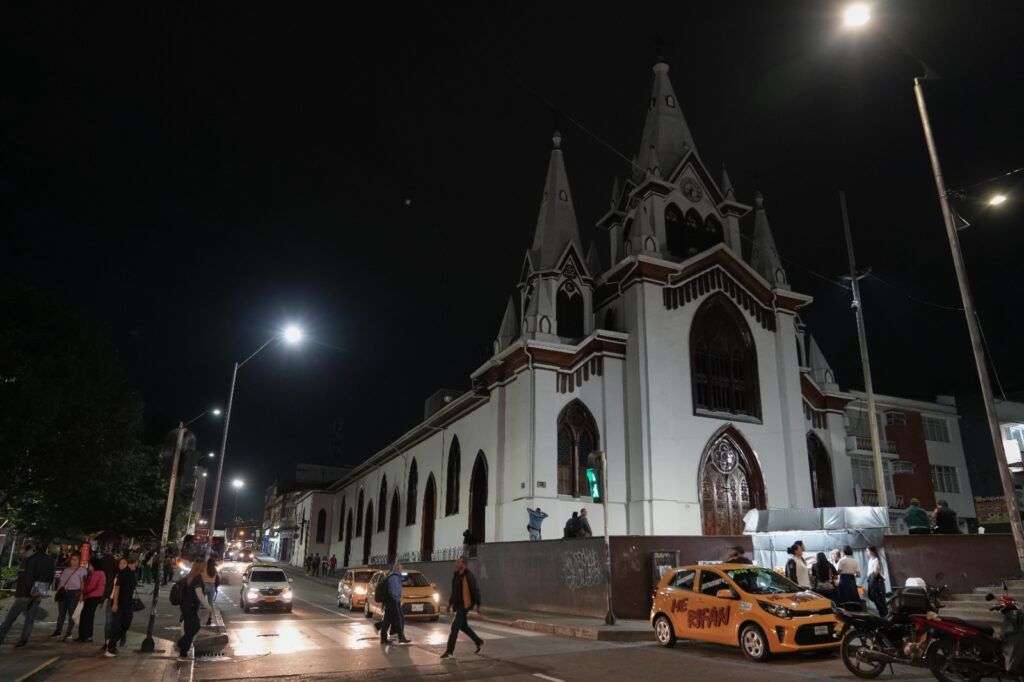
420 598
353 586
754 608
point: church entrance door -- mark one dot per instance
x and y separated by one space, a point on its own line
730 483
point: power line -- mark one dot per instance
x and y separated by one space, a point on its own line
916 299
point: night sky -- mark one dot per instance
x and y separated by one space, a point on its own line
194 178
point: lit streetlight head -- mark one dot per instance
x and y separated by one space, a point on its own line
213 454
238 483
997 199
856 15
215 412
292 334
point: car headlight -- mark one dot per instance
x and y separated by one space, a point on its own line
287 594
360 591
437 598
253 594
776 610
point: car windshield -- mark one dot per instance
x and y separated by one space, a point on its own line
414 580
268 577
362 576
761 581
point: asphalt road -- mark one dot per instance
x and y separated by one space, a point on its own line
317 640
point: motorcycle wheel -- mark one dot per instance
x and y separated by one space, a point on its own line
852 643
939 664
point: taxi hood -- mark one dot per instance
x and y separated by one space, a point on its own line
798 601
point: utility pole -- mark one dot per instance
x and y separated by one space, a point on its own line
595 458
876 451
977 345
148 644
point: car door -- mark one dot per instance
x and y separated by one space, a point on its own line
713 616
346 588
679 591
371 587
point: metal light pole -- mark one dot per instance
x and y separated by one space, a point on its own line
972 327
598 456
876 451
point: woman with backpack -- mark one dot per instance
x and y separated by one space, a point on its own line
875 587
190 597
211 582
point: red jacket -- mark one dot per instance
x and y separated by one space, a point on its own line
94 585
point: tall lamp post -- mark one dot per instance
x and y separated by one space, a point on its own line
147 644
857 16
291 335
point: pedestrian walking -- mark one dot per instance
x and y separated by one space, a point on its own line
332 564
168 565
93 589
945 519
737 555
536 518
875 587
35 573
917 519
112 563
316 564
69 587
796 567
824 576
147 567
584 525
325 564
572 526
465 595
193 597
211 583
849 571
393 622
121 596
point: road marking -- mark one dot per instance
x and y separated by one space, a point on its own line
37 669
519 632
324 608
546 677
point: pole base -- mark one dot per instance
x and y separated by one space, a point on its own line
147 646
609 618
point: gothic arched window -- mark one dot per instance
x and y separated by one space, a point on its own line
359 514
723 360
341 521
569 311
577 438
410 506
675 232
321 525
693 229
712 231
382 504
451 501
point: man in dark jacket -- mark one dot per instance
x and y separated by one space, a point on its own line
35 573
571 526
465 596
945 519
393 623
583 525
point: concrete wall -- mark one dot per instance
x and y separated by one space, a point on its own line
968 561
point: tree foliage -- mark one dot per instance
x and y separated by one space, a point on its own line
71 457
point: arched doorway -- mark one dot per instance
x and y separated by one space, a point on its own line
427 519
393 528
368 533
730 483
348 539
822 488
478 499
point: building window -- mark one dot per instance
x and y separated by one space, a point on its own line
936 429
863 470
858 423
451 501
569 311
944 479
341 521
723 360
359 514
410 507
895 418
577 438
321 525
675 233
382 504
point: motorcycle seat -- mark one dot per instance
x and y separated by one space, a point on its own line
986 629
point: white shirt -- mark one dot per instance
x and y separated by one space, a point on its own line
847 566
875 564
803 578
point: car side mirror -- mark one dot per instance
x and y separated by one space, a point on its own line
725 594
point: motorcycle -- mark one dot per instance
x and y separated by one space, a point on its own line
871 642
974 651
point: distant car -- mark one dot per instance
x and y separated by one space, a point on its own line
420 598
265 586
754 608
244 555
353 586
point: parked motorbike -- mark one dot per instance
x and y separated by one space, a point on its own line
871 642
974 651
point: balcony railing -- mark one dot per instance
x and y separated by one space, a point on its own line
868 497
863 444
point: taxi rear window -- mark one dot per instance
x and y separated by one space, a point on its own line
683 580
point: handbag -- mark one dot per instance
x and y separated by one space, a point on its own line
137 604
61 595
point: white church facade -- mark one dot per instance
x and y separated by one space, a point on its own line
684 361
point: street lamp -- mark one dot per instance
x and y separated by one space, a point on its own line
856 15
997 199
292 334
973 328
237 485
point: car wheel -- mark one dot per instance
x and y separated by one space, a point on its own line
664 632
366 609
351 604
339 601
245 606
753 643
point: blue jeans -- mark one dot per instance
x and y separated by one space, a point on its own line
65 609
534 533
19 605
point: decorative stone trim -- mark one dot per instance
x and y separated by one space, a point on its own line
717 279
568 381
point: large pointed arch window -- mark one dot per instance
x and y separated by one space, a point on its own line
577 438
321 526
341 521
723 361
451 498
675 233
382 504
569 311
359 514
411 491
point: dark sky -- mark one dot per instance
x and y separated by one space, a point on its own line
196 177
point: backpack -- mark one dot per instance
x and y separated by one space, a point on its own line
380 593
177 591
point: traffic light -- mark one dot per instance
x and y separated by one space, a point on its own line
594 481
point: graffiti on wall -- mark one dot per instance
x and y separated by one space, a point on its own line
580 568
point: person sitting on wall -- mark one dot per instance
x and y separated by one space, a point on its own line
571 526
583 525
945 519
917 519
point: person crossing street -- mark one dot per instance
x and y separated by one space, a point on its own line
465 596
393 620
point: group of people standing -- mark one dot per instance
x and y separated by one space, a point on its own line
316 565
835 577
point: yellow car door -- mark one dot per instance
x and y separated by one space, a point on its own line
679 595
712 617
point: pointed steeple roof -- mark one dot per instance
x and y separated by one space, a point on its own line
509 330
556 223
665 130
593 261
764 257
726 187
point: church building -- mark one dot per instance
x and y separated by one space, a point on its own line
684 360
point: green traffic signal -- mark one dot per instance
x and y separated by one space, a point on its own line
595 485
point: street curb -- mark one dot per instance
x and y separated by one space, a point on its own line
597 634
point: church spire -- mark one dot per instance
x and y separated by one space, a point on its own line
727 190
665 130
764 257
509 331
556 223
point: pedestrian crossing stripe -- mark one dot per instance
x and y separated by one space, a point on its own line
488 626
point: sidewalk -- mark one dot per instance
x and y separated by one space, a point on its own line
537 621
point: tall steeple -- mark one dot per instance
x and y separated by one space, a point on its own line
764 257
727 191
509 331
556 224
666 135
